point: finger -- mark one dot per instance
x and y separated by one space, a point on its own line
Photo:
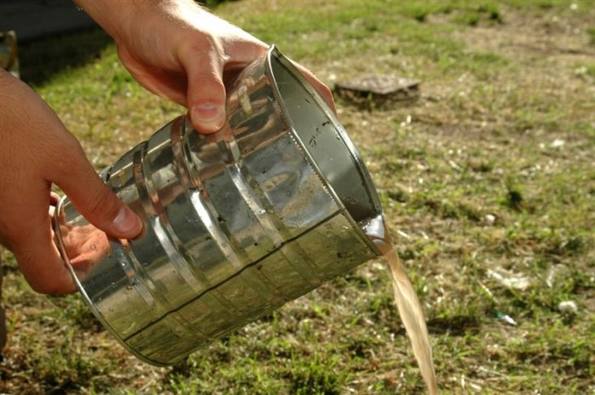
41 264
94 200
54 199
321 88
36 253
206 91
241 52
244 50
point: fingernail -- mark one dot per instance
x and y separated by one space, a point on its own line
127 223
208 117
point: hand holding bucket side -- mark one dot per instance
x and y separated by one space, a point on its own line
37 151
179 50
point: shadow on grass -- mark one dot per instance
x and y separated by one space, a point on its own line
40 60
458 325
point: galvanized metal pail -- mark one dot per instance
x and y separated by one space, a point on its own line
236 223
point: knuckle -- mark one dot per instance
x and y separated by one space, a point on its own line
201 46
245 49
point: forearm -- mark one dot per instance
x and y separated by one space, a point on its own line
109 14
116 16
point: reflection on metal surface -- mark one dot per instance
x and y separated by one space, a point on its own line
236 223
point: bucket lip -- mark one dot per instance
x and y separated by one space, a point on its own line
274 54
66 259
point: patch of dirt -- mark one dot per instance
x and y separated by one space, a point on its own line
528 38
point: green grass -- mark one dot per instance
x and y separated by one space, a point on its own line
487 13
591 34
588 71
492 168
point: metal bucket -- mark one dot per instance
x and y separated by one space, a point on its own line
236 223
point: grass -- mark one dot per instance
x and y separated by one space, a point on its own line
492 169
591 33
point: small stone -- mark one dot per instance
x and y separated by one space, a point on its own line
568 307
510 280
506 318
490 219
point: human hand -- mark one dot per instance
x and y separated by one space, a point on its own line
180 51
37 151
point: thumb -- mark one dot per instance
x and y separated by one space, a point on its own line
95 200
206 92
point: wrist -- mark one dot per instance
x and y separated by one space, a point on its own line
112 15
120 18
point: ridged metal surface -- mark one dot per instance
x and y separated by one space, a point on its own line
236 223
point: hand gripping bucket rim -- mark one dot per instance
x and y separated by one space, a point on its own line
274 60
